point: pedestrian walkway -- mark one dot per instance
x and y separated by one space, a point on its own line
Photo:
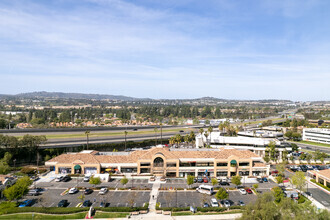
154 194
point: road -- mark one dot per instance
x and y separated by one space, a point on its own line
313 147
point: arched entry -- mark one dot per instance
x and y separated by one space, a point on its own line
77 169
158 162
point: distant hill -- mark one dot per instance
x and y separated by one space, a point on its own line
63 95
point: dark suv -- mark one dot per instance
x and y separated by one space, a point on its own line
66 179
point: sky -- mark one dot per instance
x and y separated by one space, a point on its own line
256 49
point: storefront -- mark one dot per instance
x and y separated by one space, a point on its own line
64 170
90 170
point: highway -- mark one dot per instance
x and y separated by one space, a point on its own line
59 138
313 147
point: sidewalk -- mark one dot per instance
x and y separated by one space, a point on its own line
153 195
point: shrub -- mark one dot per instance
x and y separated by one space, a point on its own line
28 170
121 209
319 184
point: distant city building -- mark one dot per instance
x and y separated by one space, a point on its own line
261 134
320 135
254 144
163 161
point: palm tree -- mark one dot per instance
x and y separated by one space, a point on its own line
161 133
210 129
201 131
125 138
87 136
206 135
155 129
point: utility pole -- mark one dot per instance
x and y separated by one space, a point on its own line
87 136
125 138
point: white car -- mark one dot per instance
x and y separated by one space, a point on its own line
73 190
103 191
242 191
214 203
59 178
226 203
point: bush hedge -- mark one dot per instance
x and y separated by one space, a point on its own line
319 184
121 209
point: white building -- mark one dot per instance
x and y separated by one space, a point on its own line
262 134
254 144
320 135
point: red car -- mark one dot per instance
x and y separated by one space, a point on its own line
248 190
205 180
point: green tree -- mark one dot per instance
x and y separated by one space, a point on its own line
190 180
81 197
281 168
19 189
221 194
124 180
298 180
94 180
279 179
294 147
214 181
278 194
255 186
236 180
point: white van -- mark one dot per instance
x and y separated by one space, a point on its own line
205 189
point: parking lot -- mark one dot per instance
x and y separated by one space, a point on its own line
118 198
196 199
51 197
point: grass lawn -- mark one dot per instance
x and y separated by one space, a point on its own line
257 122
313 143
205 213
111 214
41 216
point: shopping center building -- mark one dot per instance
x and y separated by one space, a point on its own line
163 161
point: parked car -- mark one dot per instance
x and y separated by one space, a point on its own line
26 203
214 203
102 204
265 179
224 183
33 192
240 203
103 191
135 129
242 191
309 167
88 191
206 205
59 178
226 203
66 179
249 191
260 180
309 194
199 179
63 203
86 178
205 180
86 203
73 190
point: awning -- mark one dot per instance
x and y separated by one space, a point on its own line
233 162
109 169
77 167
